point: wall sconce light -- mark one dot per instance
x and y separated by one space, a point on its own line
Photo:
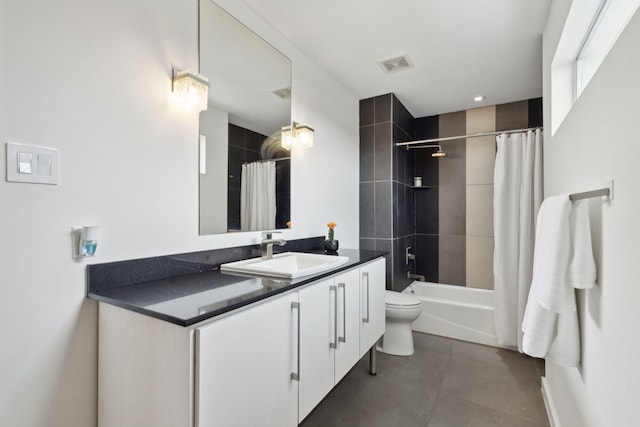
302 135
85 241
191 89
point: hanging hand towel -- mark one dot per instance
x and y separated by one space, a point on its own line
549 293
565 349
582 268
581 274
551 255
551 320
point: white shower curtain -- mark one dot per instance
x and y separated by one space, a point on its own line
258 196
517 197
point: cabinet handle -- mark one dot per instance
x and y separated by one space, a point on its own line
366 275
334 344
296 375
343 338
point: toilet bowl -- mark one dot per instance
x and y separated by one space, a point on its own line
400 310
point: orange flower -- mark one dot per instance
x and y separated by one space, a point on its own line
331 226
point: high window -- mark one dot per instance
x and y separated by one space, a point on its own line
590 31
611 18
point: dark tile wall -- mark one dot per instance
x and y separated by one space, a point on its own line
441 212
426 203
376 186
535 112
245 146
386 173
403 202
514 115
452 200
431 220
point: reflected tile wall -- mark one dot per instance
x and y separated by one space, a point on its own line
244 147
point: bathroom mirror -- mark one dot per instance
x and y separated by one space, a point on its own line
249 104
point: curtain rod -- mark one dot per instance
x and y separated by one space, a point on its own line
268 160
449 138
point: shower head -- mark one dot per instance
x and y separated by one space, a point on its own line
439 153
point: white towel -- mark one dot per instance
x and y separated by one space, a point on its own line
582 267
551 255
581 274
563 260
538 327
548 293
565 349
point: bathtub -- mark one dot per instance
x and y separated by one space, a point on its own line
455 312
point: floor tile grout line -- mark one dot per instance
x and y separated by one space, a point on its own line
435 401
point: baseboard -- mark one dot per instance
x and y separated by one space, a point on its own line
552 413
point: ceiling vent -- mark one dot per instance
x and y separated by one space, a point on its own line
396 64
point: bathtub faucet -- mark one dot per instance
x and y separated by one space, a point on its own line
420 277
408 256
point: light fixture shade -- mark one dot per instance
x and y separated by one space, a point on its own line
286 138
303 135
191 89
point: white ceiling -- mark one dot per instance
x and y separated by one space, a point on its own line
459 48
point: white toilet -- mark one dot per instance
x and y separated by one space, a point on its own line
401 310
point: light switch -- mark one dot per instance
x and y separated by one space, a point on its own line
31 164
24 162
44 164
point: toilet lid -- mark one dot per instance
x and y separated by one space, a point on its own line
397 299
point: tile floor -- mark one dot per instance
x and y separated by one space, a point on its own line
446 383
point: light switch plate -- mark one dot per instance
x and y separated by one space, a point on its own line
43 167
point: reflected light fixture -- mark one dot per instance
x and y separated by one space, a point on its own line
301 135
191 90
286 137
478 98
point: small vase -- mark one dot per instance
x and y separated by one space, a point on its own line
331 246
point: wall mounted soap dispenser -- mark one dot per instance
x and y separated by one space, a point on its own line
84 241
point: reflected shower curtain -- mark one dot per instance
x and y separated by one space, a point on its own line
517 197
258 196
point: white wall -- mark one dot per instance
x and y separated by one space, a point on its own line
92 78
597 141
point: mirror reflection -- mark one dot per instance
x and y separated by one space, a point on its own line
244 171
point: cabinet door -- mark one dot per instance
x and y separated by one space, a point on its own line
347 353
317 334
372 311
244 366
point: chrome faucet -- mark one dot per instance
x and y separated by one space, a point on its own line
266 245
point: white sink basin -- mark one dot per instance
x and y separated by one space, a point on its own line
288 264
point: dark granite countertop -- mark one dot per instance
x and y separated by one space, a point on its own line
184 290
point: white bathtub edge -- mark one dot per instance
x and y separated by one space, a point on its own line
455 312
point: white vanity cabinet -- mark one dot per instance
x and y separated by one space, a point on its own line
372 294
266 364
329 340
244 364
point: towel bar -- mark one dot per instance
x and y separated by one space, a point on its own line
607 192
